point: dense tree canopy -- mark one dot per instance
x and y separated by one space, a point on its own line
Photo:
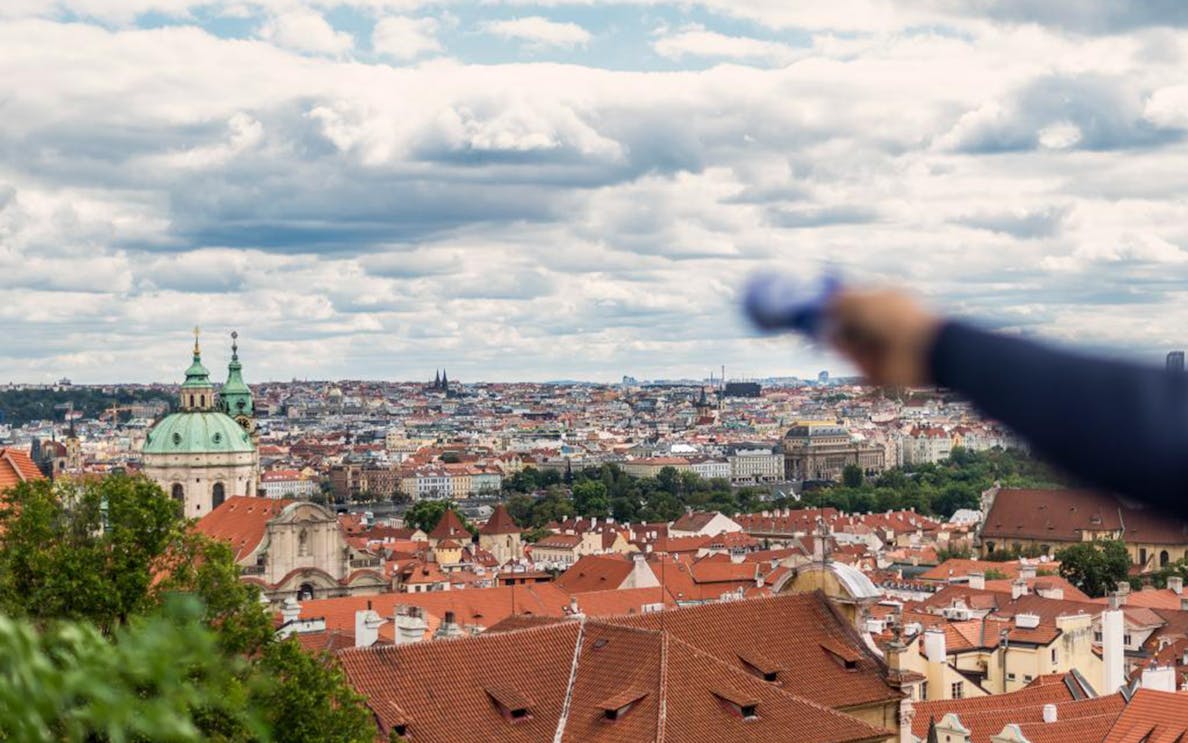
1095 567
932 489
18 407
425 515
144 630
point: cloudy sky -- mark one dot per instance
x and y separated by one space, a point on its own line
574 189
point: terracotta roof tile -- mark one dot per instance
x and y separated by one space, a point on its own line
1152 717
500 522
240 521
16 467
788 629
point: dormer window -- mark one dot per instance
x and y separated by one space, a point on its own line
743 705
844 655
762 666
514 706
616 707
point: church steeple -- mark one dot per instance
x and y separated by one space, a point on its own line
236 396
436 379
197 392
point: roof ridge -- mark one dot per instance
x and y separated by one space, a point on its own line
425 646
563 718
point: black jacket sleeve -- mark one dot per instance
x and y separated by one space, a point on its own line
1116 425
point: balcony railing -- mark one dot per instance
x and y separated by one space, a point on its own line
366 562
252 570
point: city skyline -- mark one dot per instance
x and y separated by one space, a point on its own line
539 191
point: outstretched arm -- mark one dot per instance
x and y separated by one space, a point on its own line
1118 426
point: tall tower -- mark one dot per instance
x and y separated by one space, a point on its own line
235 396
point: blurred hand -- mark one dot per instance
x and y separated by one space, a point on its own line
886 333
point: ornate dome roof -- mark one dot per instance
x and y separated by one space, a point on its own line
197 433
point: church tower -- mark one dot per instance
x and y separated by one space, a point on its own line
235 397
199 454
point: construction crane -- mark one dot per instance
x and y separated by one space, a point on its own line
113 413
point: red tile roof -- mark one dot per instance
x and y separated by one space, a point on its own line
987 716
450 527
1152 717
500 522
1062 515
451 691
16 467
240 521
788 629
595 573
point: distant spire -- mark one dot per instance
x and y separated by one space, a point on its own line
436 379
197 351
445 381
235 345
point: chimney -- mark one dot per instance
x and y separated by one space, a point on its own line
410 625
1018 588
1159 678
1123 590
934 651
641 576
977 579
449 627
1050 714
1112 650
367 624
1026 570
574 609
1176 584
290 610
1027 621
1184 603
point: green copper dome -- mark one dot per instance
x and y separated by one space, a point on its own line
197 433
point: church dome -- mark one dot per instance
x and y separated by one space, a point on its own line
198 433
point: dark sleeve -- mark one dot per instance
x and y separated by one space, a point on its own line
1115 425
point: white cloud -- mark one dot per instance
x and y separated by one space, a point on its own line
540 32
308 32
548 220
405 38
696 41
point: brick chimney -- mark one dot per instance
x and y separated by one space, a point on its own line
977 579
1018 588
934 651
1159 678
1050 713
1026 570
449 627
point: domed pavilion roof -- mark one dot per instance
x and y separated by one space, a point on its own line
206 432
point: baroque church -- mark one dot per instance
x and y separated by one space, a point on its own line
206 451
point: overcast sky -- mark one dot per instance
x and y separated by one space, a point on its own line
518 190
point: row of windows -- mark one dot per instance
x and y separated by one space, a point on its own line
218 494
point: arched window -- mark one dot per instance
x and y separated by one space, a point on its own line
191 401
1142 556
218 495
989 548
178 492
305 592
202 401
1164 559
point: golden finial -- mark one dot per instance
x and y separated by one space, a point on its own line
196 351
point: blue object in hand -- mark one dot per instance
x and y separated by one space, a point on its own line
777 302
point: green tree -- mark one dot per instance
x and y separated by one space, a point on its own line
852 476
89 551
309 699
112 558
590 499
1095 567
425 514
159 678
